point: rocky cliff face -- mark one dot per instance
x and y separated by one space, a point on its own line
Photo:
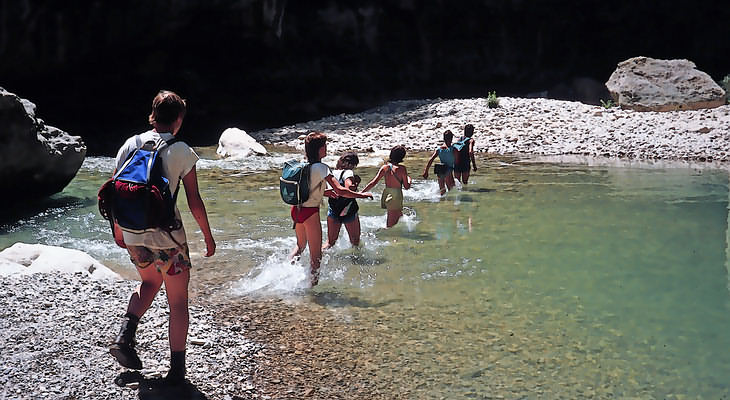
94 66
36 160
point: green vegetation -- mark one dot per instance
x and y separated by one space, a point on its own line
725 84
492 100
607 104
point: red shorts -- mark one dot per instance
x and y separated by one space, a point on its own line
300 214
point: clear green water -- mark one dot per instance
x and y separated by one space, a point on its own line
537 280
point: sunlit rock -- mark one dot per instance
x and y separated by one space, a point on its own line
36 160
236 143
647 84
22 258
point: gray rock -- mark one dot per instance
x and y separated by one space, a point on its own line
36 160
647 84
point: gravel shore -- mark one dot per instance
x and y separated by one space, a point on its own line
525 127
55 329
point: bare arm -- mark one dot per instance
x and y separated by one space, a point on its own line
471 154
375 180
345 192
197 208
428 165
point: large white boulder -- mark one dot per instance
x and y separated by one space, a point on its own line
22 258
236 143
647 84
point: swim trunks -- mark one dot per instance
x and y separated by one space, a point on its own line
166 261
443 171
301 214
345 219
392 199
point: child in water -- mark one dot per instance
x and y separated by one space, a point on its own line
464 155
344 210
396 179
445 169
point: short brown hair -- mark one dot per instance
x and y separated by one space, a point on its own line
448 135
312 144
167 106
397 154
349 159
469 130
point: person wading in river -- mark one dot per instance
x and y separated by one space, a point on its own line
307 227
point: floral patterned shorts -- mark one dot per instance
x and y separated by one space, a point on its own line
167 261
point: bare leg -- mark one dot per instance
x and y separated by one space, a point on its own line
450 181
457 175
333 232
465 177
301 241
142 298
313 233
353 230
442 186
393 217
176 287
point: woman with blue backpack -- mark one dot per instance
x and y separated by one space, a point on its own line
306 215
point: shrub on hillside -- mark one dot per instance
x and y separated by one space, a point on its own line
492 100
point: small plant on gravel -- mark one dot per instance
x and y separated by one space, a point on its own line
492 100
607 104
725 84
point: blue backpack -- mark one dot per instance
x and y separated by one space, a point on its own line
138 196
462 144
294 182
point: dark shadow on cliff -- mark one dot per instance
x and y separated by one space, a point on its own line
158 389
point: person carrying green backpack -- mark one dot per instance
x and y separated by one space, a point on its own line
464 155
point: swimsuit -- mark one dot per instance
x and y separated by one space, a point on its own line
446 156
347 218
301 214
392 199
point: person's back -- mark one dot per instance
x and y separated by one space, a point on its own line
444 170
177 160
447 156
396 179
395 175
464 155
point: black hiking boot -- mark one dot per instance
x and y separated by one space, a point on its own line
123 347
176 375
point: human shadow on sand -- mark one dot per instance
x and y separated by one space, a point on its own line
158 389
335 299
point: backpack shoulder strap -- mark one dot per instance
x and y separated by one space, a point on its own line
392 171
312 189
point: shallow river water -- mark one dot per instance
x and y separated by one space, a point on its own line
537 279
